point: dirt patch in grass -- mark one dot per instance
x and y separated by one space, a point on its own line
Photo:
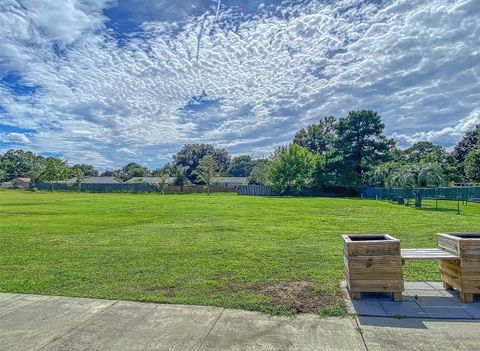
296 296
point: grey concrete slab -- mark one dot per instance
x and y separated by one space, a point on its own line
13 304
34 321
473 310
241 330
8 300
412 334
446 312
4 297
436 285
368 308
418 286
407 309
433 303
142 326
431 293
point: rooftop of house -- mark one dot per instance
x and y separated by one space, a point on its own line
235 180
149 180
21 179
102 180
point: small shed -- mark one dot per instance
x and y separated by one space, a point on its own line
20 183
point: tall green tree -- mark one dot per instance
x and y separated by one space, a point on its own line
318 137
241 166
290 169
133 169
190 155
54 171
37 165
258 174
167 168
425 151
3 174
87 170
79 176
469 142
180 179
472 165
17 163
207 171
361 143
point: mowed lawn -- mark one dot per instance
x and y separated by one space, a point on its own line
276 255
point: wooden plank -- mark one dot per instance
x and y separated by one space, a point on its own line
456 283
427 254
451 264
471 286
470 261
374 262
466 297
454 274
376 286
373 249
448 244
375 275
397 296
469 247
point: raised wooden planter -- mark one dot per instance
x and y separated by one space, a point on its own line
373 264
462 274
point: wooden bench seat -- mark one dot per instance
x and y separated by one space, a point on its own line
427 254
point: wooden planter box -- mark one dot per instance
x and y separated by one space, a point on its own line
462 274
373 264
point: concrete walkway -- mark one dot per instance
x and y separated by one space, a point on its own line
33 322
426 300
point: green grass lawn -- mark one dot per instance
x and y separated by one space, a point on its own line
257 253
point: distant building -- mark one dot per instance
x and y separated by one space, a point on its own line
68 181
102 180
150 180
230 182
20 183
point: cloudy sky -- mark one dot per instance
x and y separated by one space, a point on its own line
106 82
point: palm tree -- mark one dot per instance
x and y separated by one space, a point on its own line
418 175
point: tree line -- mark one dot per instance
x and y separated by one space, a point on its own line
348 152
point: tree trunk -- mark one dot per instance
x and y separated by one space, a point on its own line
208 189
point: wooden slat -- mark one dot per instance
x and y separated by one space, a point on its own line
448 243
427 254
376 286
471 286
373 249
470 247
385 262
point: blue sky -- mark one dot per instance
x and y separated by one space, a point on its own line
107 82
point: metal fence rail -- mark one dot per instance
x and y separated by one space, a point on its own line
131 188
440 193
255 190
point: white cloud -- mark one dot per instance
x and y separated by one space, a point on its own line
448 134
18 137
416 62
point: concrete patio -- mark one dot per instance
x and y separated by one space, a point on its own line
426 300
33 322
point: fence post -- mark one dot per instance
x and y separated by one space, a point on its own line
418 201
